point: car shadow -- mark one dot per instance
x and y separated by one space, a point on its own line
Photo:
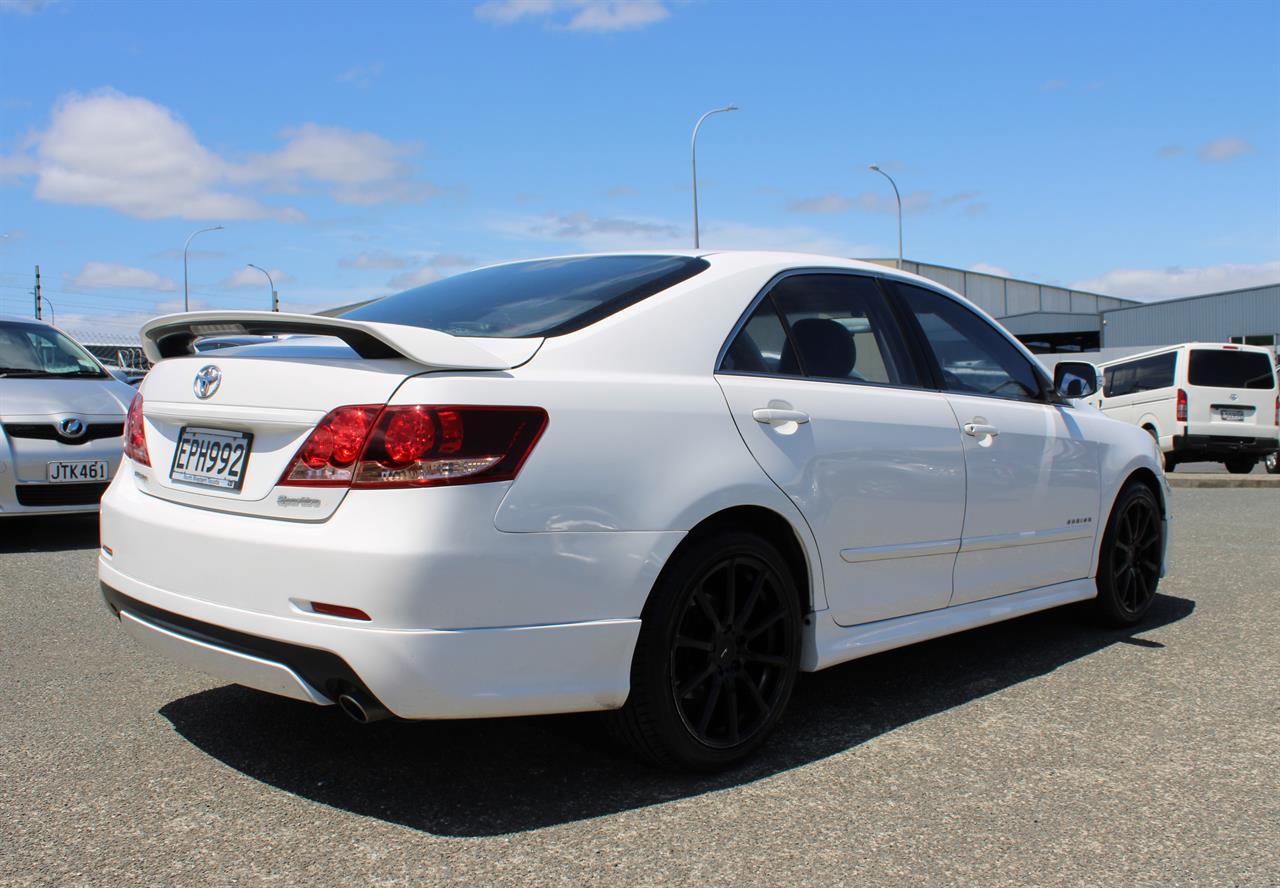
48 533
496 776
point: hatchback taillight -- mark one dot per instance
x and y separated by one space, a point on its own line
416 446
1182 406
135 436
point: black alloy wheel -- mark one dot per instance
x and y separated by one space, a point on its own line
732 651
717 656
1129 568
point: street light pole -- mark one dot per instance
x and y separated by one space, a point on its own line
275 297
186 292
53 314
693 156
898 196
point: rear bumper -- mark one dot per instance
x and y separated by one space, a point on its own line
1219 446
467 621
433 674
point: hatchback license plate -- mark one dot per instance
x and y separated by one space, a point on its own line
1229 415
73 471
211 457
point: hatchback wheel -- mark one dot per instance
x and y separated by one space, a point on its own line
717 656
1129 566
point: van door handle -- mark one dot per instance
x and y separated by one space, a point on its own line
979 430
775 416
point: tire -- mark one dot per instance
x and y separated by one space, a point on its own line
717 656
1271 462
1129 563
1240 465
1170 462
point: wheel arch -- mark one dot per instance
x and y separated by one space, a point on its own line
772 526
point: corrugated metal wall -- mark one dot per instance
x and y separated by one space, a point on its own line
1212 318
1005 297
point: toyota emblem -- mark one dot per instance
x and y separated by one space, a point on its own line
207 381
71 427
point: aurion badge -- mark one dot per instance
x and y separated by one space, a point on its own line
207 381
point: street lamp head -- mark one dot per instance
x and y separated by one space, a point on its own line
730 107
874 167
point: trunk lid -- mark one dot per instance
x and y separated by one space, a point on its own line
278 392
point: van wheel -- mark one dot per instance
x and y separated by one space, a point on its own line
1240 465
1129 563
717 656
1170 462
1272 463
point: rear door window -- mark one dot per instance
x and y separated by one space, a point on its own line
545 297
823 326
1220 368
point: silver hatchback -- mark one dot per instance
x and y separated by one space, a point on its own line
61 421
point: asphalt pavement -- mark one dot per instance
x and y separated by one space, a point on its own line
1042 751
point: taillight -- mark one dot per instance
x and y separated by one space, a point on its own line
1182 406
135 436
416 446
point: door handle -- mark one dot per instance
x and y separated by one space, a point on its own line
980 430
775 416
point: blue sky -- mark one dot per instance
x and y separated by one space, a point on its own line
354 149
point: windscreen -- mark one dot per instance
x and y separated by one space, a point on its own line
38 350
544 297
1221 368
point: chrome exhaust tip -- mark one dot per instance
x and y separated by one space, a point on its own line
361 708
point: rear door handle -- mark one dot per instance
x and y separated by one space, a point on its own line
979 430
775 416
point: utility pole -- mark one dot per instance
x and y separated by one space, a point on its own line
36 292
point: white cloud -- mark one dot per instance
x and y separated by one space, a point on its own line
885 202
1149 283
132 155
1171 151
576 15
361 75
416 278
375 259
25 7
986 268
109 275
251 277
431 271
1224 149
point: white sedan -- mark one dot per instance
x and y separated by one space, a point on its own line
661 484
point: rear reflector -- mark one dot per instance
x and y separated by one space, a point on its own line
135 436
367 446
339 610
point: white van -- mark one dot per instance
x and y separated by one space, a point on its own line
1203 402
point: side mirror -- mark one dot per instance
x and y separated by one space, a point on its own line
1075 379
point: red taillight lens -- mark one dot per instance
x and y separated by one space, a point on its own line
1182 406
135 436
328 456
416 446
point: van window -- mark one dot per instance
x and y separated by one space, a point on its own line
1221 368
1155 372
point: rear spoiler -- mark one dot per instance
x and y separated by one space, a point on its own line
173 335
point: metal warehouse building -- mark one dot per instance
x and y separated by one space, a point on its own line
1053 319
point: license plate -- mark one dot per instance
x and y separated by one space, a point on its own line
72 471
211 457
1229 415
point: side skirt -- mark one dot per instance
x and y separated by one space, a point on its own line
827 643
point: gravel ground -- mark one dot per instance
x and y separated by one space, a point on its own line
1037 752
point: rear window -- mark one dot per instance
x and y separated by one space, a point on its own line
1220 368
544 297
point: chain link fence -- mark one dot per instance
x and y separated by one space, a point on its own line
118 349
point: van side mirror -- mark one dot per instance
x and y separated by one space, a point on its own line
1075 379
